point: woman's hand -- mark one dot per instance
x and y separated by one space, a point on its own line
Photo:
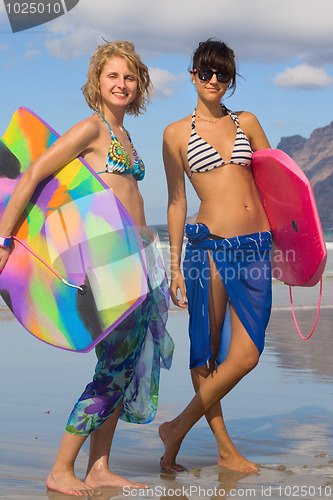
4 254
151 234
177 283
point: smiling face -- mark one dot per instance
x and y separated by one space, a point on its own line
214 55
118 83
210 89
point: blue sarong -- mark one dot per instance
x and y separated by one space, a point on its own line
243 263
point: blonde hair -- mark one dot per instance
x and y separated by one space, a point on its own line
126 50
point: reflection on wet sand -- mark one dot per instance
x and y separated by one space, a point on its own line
313 355
207 482
280 417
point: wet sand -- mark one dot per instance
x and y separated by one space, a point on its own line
280 416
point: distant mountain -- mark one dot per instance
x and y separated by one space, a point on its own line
315 157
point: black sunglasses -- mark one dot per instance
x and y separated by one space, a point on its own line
207 74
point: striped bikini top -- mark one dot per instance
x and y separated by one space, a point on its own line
119 162
202 157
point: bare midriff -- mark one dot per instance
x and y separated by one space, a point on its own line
230 203
125 187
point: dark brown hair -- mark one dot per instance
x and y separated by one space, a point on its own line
216 55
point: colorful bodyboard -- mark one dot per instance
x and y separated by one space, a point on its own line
299 252
75 224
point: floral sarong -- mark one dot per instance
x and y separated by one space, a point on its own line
129 359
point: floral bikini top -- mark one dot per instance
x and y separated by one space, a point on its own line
119 162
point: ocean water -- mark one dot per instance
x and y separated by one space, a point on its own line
163 243
279 416
303 297
328 236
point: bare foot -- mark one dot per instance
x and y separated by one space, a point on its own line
98 477
68 484
172 446
237 462
171 468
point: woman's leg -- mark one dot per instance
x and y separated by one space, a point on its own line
62 477
242 358
228 455
98 472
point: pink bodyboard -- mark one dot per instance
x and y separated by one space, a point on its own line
299 252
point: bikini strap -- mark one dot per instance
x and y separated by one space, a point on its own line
129 138
193 120
232 115
100 114
225 110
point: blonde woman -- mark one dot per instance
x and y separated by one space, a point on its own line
118 83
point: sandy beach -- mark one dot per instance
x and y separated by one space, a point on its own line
280 416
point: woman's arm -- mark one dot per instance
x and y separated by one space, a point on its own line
177 208
250 125
62 151
143 228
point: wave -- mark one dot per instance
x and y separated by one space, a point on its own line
162 231
163 246
304 308
328 235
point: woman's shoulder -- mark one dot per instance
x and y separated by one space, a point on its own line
178 128
89 126
251 126
246 117
83 133
78 138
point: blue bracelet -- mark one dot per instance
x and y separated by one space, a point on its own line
6 242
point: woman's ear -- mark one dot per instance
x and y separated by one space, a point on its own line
192 76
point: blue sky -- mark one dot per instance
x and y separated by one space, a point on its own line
284 50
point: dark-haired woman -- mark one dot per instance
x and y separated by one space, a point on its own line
227 275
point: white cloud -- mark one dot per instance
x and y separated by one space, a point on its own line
303 77
9 64
270 30
258 30
3 13
4 47
70 43
31 54
165 83
279 124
